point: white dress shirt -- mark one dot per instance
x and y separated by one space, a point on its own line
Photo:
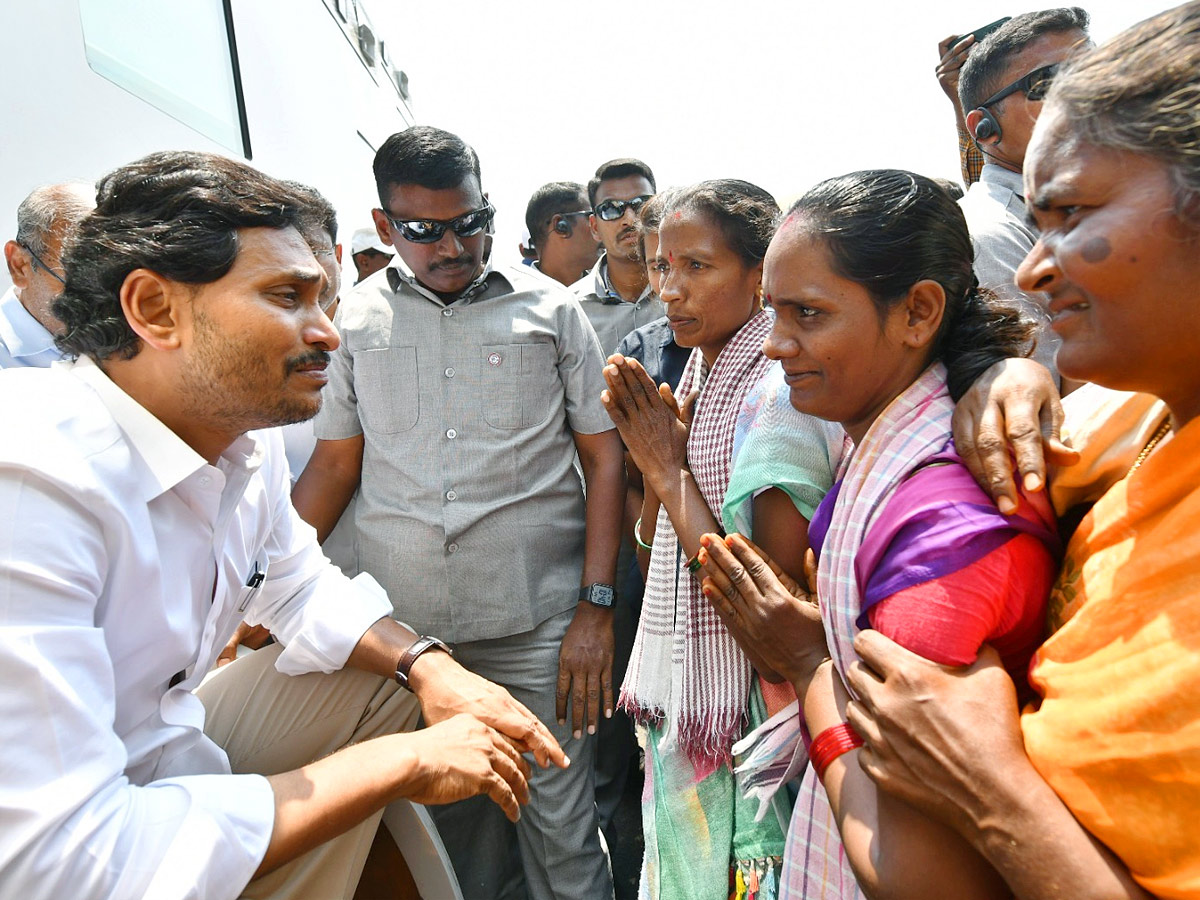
1002 236
126 562
24 342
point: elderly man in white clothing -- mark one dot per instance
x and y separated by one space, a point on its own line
44 220
141 522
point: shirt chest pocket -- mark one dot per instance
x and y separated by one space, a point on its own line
385 382
520 383
253 583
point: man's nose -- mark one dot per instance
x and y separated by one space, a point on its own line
319 331
449 245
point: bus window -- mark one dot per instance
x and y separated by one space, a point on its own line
178 57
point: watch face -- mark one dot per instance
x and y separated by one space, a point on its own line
600 595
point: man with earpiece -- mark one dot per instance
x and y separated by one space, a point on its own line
1001 86
563 245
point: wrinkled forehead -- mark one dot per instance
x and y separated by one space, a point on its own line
1052 151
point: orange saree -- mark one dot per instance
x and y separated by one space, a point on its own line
1117 734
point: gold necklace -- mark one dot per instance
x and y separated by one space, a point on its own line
1163 430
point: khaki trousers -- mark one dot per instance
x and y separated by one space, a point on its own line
270 723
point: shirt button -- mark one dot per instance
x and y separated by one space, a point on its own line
447 312
450 372
452 548
204 480
451 495
451 433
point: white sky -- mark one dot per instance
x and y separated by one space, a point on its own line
779 93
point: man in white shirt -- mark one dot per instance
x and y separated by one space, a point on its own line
1001 86
563 244
141 522
44 219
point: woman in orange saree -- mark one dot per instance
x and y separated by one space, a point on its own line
1094 791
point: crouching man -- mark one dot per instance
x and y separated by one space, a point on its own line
140 523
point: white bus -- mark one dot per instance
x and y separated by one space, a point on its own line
302 89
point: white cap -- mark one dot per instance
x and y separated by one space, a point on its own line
368 239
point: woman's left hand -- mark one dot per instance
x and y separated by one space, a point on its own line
772 616
652 425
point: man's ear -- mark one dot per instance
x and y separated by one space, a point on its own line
20 265
924 308
973 118
592 226
337 253
379 217
153 307
561 226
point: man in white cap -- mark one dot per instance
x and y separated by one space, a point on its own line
369 252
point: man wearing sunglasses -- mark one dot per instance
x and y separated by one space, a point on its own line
455 405
1001 85
44 218
563 244
616 294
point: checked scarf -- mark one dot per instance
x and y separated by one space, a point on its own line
685 669
914 427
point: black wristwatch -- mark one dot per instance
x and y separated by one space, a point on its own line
409 656
598 595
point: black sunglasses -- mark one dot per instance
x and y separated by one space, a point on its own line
429 231
611 210
37 261
1034 85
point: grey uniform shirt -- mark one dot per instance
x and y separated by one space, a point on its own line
470 512
612 317
1002 236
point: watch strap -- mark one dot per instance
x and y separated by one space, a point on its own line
414 650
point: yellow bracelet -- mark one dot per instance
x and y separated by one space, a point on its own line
637 535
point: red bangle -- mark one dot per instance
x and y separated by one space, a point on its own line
830 744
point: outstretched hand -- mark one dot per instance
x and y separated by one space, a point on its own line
461 757
652 423
445 689
1011 411
773 617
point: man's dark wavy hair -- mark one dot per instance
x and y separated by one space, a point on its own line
176 213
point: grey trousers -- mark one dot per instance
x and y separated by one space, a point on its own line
270 723
558 834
